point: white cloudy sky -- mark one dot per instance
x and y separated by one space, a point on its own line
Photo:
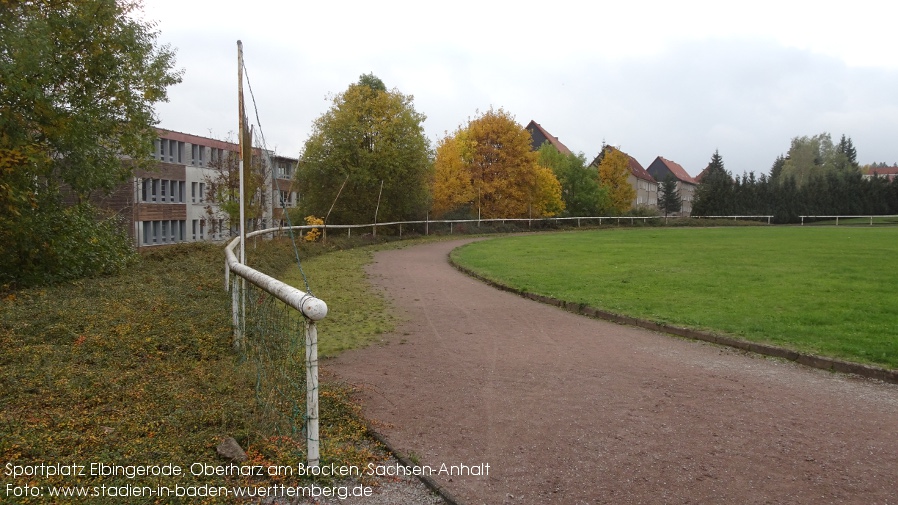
675 79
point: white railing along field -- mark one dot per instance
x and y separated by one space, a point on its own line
582 220
871 218
312 310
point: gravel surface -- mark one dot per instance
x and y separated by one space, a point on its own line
567 409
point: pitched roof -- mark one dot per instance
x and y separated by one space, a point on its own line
637 170
881 171
702 174
534 126
677 170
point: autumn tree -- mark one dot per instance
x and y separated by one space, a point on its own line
453 188
614 171
580 190
369 137
78 83
489 166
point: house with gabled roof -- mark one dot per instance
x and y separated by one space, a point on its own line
539 136
888 173
643 183
662 168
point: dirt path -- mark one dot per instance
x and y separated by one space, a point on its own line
566 409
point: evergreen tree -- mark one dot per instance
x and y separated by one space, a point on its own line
777 167
848 158
669 200
714 195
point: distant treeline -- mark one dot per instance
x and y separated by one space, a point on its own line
816 177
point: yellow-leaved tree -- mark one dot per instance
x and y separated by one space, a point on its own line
489 168
614 170
452 186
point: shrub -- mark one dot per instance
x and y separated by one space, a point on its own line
67 243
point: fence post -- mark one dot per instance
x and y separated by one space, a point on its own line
312 441
235 312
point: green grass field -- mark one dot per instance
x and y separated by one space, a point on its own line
828 291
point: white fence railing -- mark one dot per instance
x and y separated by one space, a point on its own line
452 222
600 220
313 309
734 218
844 217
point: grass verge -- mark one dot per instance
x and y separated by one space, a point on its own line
828 291
138 369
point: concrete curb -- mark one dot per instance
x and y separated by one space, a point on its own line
430 483
823 363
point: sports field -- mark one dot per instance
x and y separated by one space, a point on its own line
828 291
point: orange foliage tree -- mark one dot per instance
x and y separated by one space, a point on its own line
613 173
489 167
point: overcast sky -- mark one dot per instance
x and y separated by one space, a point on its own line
656 78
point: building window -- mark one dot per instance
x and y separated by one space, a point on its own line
284 169
162 190
287 198
163 232
197 155
202 195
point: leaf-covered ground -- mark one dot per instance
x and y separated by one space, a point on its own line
138 369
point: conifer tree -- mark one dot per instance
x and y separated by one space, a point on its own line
669 200
714 195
